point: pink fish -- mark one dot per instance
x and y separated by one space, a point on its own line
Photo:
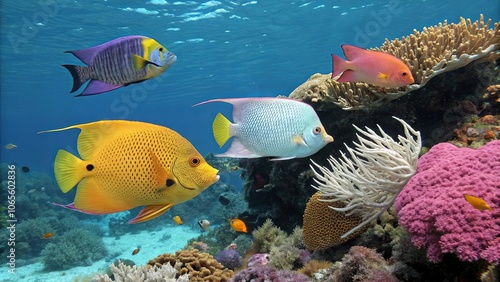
372 67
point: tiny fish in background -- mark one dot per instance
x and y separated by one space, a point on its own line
47 235
477 202
136 251
118 63
238 225
127 164
177 219
372 67
269 127
224 200
31 191
25 169
10 146
204 224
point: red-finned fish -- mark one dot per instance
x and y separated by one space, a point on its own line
477 202
127 164
47 235
372 67
136 251
177 219
118 63
238 225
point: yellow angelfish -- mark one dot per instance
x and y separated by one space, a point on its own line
126 164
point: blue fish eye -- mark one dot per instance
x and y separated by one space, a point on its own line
317 130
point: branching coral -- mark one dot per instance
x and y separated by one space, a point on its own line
369 182
428 53
199 266
126 273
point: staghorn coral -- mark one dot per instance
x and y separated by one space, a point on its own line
369 182
199 266
126 273
428 53
323 226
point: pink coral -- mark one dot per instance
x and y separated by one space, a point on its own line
433 208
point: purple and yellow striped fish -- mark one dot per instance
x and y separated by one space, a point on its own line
118 63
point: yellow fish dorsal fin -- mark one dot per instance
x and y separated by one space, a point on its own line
90 197
68 169
382 76
150 212
139 62
93 134
221 128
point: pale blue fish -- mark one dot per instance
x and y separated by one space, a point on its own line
273 127
118 63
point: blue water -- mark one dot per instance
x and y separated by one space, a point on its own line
224 48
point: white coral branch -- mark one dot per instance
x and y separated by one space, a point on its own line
125 273
378 169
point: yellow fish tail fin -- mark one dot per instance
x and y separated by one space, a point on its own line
150 212
68 170
222 129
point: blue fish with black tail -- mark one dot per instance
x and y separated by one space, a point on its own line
118 63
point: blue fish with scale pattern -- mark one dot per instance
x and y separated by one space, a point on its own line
118 63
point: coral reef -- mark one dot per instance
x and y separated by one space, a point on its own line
74 248
368 183
362 264
323 226
229 258
433 209
198 266
477 131
453 46
267 273
126 273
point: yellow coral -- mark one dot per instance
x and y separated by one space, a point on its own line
323 227
428 53
198 266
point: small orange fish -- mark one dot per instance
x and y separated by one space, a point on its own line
477 203
47 235
238 225
372 67
177 219
136 251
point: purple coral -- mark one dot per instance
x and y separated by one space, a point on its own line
268 274
259 259
433 208
229 258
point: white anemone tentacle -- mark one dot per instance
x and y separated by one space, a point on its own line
369 181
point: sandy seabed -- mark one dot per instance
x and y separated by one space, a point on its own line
152 244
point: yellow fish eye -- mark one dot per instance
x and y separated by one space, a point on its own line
194 161
160 49
317 130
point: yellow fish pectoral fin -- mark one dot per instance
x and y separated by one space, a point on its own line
92 198
68 169
221 129
139 62
299 140
382 76
150 212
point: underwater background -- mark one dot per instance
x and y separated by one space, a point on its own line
225 49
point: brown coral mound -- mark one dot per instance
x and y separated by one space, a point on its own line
428 53
493 93
198 266
323 226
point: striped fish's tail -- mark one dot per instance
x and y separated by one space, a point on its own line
80 75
